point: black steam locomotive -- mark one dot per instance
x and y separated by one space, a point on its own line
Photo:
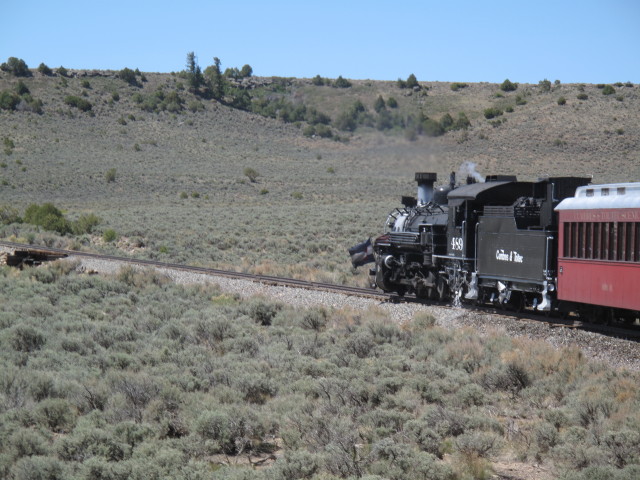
493 241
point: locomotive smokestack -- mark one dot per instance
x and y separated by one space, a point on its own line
425 186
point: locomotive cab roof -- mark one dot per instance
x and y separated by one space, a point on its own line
502 192
495 191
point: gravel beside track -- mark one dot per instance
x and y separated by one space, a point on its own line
616 352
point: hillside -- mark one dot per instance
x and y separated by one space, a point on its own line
132 375
179 187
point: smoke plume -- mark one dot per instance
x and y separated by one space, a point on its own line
468 169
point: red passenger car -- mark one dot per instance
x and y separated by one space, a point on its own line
599 249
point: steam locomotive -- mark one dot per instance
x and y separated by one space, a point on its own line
558 244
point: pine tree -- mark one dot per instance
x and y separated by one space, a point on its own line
194 74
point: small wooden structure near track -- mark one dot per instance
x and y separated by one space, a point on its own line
31 257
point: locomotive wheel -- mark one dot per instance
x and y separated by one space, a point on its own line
382 280
423 293
516 302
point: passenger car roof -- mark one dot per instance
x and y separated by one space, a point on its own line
613 195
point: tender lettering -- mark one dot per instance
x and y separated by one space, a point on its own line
512 256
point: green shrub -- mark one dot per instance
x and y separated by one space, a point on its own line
392 102
25 338
458 86
342 82
508 86
309 131
314 319
233 431
28 443
85 223
562 101
9 215
546 437
608 90
48 217
297 464
492 112
446 121
195 106
347 121
251 174
431 128
412 81
38 468
30 104
129 76
8 100
545 85
16 67
44 70
8 145
384 120
110 175
21 88
582 96
318 81
56 414
77 102
109 235
159 101
63 72
479 444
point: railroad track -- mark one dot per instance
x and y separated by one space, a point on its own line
264 279
551 321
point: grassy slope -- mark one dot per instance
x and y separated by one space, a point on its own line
347 188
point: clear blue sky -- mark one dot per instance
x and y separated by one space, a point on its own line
573 41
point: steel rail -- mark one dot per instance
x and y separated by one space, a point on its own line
264 279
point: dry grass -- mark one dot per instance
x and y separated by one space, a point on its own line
345 188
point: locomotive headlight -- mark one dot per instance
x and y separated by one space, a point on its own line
551 287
